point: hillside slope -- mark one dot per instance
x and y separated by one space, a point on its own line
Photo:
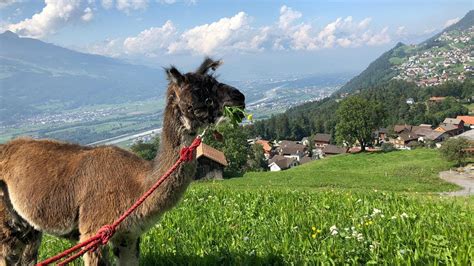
35 74
441 58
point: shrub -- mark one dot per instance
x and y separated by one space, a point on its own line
387 147
453 150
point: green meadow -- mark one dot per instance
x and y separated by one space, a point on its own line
366 208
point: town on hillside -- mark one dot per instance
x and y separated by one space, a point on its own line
440 63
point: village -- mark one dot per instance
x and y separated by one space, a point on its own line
285 154
438 65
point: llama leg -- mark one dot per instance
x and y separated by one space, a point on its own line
127 251
97 258
30 251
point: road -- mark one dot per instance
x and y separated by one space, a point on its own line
464 180
123 138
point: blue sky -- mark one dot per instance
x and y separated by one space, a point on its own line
259 38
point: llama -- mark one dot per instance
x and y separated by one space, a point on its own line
72 191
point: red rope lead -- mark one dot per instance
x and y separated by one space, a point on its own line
107 231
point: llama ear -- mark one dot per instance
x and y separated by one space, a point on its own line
208 64
174 76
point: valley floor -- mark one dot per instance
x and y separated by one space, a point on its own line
355 209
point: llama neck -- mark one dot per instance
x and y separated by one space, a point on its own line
173 138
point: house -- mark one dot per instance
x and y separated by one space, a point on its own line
454 121
452 126
305 159
380 135
279 163
267 147
435 136
436 99
211 162
410 101
402 128
469 135
450 129
468 120
330 150
321 140
291 149
403 139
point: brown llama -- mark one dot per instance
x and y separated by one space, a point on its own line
72 191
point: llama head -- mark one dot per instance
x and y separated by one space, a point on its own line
199 97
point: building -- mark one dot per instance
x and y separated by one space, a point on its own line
330 150
436 99
291 149
402 128
321 140
211 163
468 120
404 139
267 147
279 163
380 135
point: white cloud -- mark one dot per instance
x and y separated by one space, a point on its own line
450 22
152 41
130 5
235 34
379 38
53 16
107 3
88 14
209 38
401 31
287 17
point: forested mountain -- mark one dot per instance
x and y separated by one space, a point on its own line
35 75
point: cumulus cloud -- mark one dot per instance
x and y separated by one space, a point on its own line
53 16
236 34
88 14
208 38
450 22
287 17
130 5
151 41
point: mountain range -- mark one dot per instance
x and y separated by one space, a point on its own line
35 75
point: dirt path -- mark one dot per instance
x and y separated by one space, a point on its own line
464 180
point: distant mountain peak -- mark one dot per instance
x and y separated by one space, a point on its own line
9 34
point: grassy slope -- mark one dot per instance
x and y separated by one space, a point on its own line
415 170
267 218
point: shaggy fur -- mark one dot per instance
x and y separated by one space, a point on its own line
71 191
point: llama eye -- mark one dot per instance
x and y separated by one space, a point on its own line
209 102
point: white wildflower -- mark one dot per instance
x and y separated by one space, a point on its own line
359 200
376 211
334 230
246 238
404 215
393 217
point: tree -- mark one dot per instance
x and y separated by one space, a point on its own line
357 118
256 159
146 150
453 150
234 146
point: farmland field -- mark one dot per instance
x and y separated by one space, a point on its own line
364 208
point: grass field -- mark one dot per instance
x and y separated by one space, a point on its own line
353 209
